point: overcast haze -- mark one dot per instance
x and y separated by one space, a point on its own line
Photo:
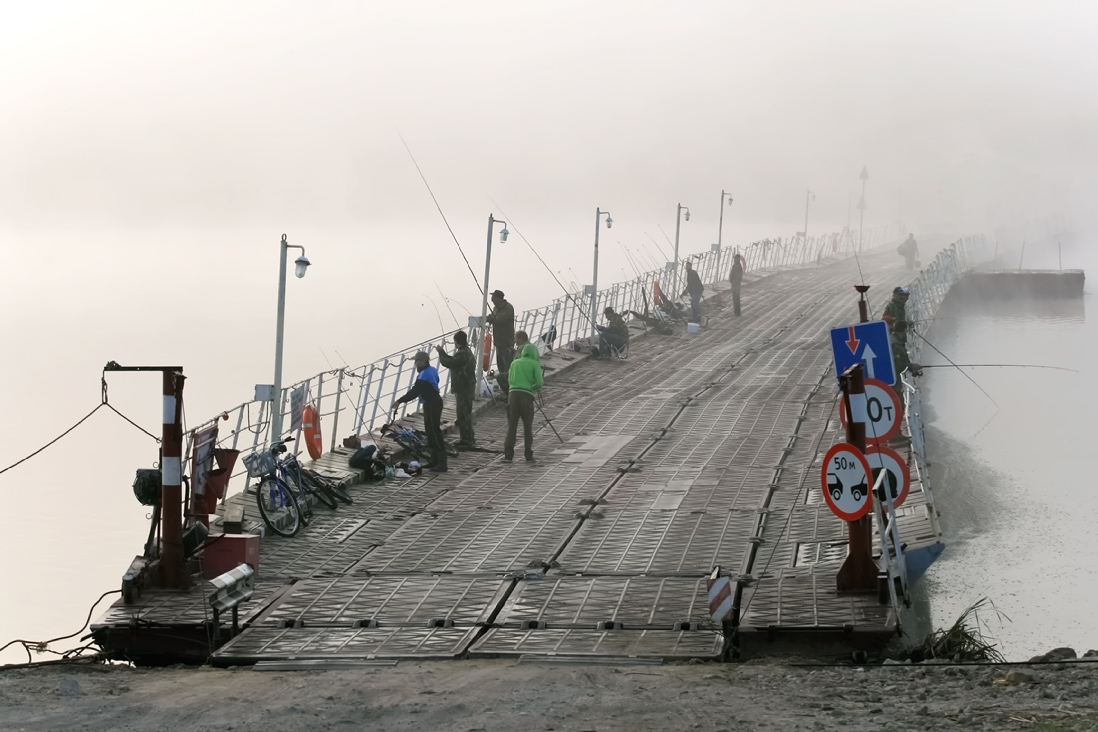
152 155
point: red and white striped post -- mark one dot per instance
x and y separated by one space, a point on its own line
171 482
720 596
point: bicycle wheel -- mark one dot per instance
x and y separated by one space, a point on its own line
321 492
341 493
279 508
417 449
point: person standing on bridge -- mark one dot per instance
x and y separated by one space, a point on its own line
463 378
425 389
735 278
502 320
695 288
526 380
896 309
910 251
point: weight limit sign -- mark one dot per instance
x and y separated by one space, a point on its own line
883 413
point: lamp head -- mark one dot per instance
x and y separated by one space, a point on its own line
609 221
730 200
300 265
687 216
503 234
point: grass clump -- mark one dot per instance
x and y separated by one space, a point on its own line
966 641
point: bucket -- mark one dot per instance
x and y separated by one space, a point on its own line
692 327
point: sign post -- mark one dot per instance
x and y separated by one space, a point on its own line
859 571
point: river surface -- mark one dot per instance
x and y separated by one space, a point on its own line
1013 473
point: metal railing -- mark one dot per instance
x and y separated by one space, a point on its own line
356 400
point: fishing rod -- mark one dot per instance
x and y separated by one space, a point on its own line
569 295
658 247
629 260
446 302
956 367
539 402
999 365
439 314
448 227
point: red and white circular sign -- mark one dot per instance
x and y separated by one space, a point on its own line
846 481
898 480
883 414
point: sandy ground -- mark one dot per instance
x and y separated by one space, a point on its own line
505 695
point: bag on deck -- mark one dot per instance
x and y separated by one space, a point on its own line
362 457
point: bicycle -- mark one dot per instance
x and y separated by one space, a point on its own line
276 495
415 441
322 485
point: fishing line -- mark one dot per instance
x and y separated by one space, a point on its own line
629 260
440 213
581 308
999 365
446 302
956 367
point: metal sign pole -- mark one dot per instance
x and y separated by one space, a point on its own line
859 571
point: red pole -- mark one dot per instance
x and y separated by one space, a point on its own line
171 483
859 571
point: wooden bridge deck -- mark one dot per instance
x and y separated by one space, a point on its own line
699 450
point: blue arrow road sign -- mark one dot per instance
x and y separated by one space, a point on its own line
865 343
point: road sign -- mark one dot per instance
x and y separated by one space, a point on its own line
883 413
720 596
845 479
898 480
866 343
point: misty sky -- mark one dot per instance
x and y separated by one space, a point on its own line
141 140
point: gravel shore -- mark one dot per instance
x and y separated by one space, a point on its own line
506 695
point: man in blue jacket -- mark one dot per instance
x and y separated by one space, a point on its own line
425 389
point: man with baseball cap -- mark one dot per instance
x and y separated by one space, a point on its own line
502 320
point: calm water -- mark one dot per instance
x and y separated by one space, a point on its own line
1014 481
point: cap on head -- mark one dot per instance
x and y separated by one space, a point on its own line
608 310
898 290
498 293
422 356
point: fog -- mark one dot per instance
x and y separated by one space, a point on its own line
151 157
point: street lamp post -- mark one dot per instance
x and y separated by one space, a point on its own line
678 224
861 207
595 275
300 265
720 226
481 351
808 196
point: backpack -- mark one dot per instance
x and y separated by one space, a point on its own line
363 457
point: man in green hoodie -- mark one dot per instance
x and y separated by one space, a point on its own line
525 380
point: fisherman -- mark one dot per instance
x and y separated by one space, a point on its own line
735 278
896 309
910 251
615 334
425 389
525 380
502 320
695 288
463 383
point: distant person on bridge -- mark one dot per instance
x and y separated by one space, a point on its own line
463 366
695 288
425 389
735 278
525 379
910 251
896 309
615 334
502 320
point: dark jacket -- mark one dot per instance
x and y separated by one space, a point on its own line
693 283
462 367
502 321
